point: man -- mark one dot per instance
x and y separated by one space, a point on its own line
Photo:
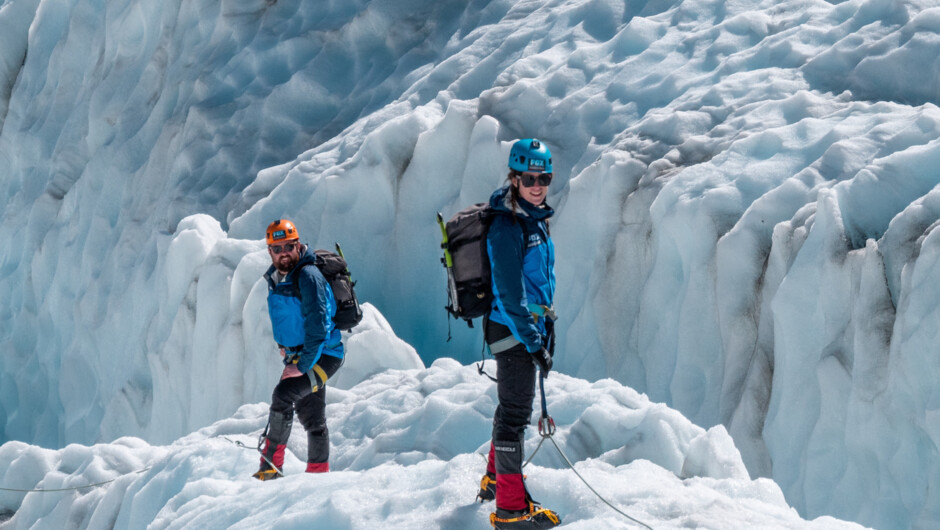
301 306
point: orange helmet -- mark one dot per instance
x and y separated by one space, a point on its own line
281 230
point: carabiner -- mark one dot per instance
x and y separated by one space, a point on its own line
546 426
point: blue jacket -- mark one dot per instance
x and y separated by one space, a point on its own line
302 312
523 271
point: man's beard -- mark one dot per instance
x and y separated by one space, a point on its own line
285 263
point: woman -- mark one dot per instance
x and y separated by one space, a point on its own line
519 326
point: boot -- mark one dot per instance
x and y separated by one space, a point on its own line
532 518
272 454
266 473
275 443
487 487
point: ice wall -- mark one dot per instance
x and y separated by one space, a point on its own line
127 117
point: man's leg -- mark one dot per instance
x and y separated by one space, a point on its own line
280 419
311 411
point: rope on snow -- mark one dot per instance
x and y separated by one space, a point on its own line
96 484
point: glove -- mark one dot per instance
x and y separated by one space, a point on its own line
543 359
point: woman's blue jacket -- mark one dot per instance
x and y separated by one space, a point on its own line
522 266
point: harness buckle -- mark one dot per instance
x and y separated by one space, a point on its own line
292 354
541 310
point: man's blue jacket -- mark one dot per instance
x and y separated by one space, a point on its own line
301 307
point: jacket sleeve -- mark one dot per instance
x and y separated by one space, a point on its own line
506 249
316 313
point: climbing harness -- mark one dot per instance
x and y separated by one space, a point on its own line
547 430
541 310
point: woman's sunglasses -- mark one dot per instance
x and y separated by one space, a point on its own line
542 179
277 249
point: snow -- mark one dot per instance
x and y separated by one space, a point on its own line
746 201
408 450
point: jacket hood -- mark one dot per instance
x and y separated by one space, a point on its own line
501 200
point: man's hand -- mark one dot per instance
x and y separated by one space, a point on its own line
543 359
290 371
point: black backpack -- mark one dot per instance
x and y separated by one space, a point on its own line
469 287
469 284
334 269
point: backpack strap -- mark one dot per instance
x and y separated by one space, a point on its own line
515 220
318 262
295 280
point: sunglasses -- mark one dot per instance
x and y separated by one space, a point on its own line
542 179
277 249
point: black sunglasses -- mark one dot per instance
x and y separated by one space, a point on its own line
277 249
542 179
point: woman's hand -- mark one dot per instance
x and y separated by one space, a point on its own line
543 359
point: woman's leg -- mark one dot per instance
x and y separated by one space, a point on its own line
516 390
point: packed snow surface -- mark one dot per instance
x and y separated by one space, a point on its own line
403 456
745 193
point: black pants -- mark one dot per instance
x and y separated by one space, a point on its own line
515 388
296 394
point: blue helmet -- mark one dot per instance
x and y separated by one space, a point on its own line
530 155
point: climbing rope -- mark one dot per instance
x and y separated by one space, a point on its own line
236 442
259 449
537 447
547 430
96 484
641 523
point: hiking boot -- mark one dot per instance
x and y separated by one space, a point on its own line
272 459
266 473
534 517
487 487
